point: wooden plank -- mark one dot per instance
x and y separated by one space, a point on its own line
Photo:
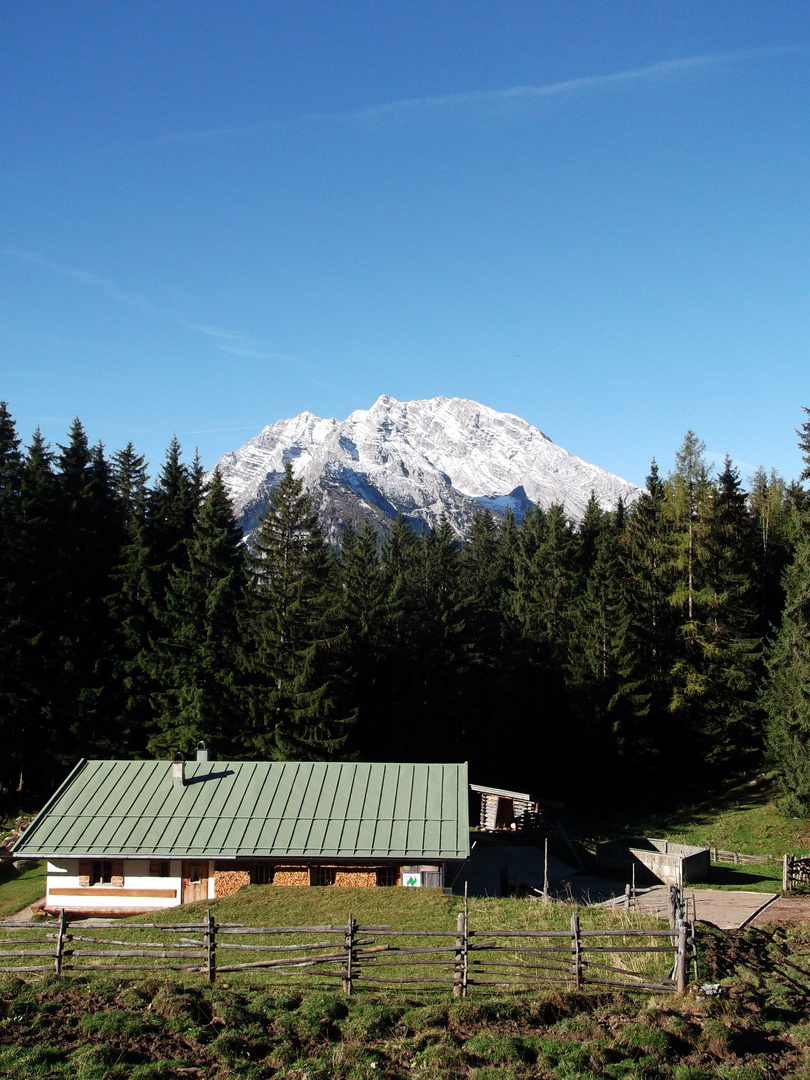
663 988
285 948
238 928
137 967
631 948
26 941
87 892
524 933
26 952
167 954
617 971
7 924
135 944
41 967
516 982
627 933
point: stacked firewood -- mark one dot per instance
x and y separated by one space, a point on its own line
364 879
227 882
291 875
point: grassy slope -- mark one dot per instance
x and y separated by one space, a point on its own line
159 1027
745 818
19 888
418 909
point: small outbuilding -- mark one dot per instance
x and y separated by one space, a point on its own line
131 836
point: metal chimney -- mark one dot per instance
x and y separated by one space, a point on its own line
179 770
202 751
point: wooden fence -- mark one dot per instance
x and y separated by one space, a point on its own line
359 955
795 872
738 858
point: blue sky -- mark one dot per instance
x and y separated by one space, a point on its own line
594 215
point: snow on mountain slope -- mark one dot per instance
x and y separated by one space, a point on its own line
418 458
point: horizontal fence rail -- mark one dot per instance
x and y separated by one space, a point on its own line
358 955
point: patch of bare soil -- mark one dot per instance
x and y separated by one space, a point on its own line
71 1019
784 911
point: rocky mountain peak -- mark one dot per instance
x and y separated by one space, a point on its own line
420 458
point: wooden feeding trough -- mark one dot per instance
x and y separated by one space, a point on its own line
654 861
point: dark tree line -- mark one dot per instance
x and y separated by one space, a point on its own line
632 648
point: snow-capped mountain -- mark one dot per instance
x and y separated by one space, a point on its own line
419 458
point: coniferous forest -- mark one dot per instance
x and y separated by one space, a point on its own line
658 648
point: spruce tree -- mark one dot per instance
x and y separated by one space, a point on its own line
787 695
730 722
692 597
12 601
643 727
293 646
40 714
89 541
364 616
443 650
197 661
772 549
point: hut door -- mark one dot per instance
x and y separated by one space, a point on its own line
195 880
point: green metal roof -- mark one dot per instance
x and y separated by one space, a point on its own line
237 809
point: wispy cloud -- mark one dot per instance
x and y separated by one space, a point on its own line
504 98
83 277
234 342
214 133
745 468
496 101
238 344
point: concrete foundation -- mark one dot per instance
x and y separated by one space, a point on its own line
654 861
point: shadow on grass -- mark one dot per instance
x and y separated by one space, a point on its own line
727 875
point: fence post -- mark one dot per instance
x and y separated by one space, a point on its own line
210 947
348 943
60 942
681 958
675 907
460 966
786 874
576 952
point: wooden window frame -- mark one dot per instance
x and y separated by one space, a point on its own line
103 873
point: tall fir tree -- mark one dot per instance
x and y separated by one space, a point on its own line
364 617
772 549
787 694
293 637
12 602
90 539
643 728
197 659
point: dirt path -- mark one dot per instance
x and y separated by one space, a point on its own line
27 912
725 910
784 911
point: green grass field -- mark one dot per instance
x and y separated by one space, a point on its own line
157 1027
19 888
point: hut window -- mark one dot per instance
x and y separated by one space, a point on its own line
160 869
106 872
261 874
